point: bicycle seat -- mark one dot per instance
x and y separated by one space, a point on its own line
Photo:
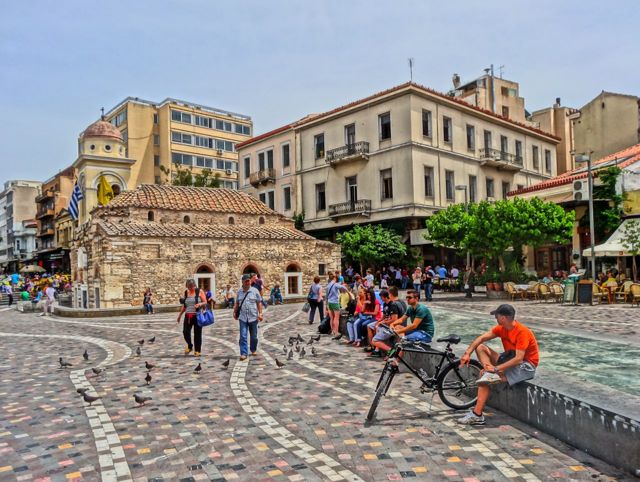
453 339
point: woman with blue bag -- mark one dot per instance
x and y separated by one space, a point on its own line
193 300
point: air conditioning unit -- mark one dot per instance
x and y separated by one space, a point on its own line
581 190
229 171
491 199
219 152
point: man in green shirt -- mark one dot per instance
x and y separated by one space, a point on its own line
420 326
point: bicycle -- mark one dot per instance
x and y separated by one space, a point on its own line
456 386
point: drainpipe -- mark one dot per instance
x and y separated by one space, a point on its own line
493 92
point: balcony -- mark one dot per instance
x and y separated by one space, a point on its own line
500 159
361 206
48 194
46 232
44 213
358 151
262 177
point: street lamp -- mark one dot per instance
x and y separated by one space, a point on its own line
587 158
461 187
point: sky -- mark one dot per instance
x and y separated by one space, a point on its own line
279 60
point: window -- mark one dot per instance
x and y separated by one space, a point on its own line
535 154
179 116
471 137
261 220
449 184
285 156
119 118
426 123
270 159
505 111
247 167
286 198
156 139
547 160
384 126
487 139
293 280
157 180
519 187
504 144
263 198
505 189
107 147
351 184
519 151
318 145
473 189
185 159
322 269
204 121
186 138
261 161
156 160
155 118
386 184
321 199
428 181
232 220
186 220
350 134
271 201
489 184
447 129
150 216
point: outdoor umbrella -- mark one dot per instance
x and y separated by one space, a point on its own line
32 268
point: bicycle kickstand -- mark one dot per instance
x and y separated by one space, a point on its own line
431 400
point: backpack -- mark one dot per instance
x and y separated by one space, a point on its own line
184 300
324 328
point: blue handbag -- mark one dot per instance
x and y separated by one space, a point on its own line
205 317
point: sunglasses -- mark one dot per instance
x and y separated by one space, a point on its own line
410 297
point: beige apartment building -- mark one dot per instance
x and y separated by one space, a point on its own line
18 228
607 124
398 156
557 120
162 134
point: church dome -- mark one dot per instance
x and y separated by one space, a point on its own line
102 129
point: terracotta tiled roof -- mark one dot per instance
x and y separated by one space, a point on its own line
627 157
224 231
102 129
315 117
184 198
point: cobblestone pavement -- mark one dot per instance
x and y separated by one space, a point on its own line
251 421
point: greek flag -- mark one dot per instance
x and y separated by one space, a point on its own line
76 196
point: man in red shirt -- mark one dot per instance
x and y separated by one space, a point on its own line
517 363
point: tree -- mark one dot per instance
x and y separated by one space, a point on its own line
490 229
371 245
184 176
631 242
298 220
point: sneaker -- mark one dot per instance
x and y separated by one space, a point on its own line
488 379
187 350
376 353
254 353
196 353
472 419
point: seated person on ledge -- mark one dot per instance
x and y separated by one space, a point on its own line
276 296
517 363
392 312
420 326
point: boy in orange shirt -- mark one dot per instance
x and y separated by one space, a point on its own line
517 363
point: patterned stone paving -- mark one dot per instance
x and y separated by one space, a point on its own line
251 421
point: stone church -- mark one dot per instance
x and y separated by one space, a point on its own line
159 236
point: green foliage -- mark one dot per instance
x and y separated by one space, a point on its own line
607 219
372 245
298 219
490 229
631 241
184 176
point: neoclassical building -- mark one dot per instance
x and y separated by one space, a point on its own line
161 235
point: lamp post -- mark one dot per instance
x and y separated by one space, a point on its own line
587 158
461 187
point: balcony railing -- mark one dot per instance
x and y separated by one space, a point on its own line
43 213
361 206
48 194
355 151
46 232
262 177
498 158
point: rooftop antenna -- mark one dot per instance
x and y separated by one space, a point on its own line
102 113
501 69
411 68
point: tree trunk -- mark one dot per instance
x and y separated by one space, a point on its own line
501 263
634 268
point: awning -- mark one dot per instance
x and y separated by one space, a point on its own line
613 245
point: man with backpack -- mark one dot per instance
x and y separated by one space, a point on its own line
393 311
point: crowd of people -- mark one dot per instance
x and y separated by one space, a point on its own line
37 288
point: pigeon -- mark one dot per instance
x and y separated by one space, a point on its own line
138 351
297 348
299 338
317 338
302 353
284 349
141 342
279 364
152 339
85 355
149 366
313 351
89 399
97 371
226 364
290 355
140 400
148 378
198 369
291 340
64 364
81 390
310 342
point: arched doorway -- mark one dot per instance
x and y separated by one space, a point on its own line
293 281
205 278
250 269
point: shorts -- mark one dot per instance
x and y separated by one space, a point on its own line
334 306
418 335
383 333
520 373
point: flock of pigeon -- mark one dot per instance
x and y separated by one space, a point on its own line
141 400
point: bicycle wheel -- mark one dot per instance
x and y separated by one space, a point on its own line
385 381
457 386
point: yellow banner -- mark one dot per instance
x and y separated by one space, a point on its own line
105 192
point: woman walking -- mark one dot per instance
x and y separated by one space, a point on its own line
333 303
147 301
316 300
193 299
